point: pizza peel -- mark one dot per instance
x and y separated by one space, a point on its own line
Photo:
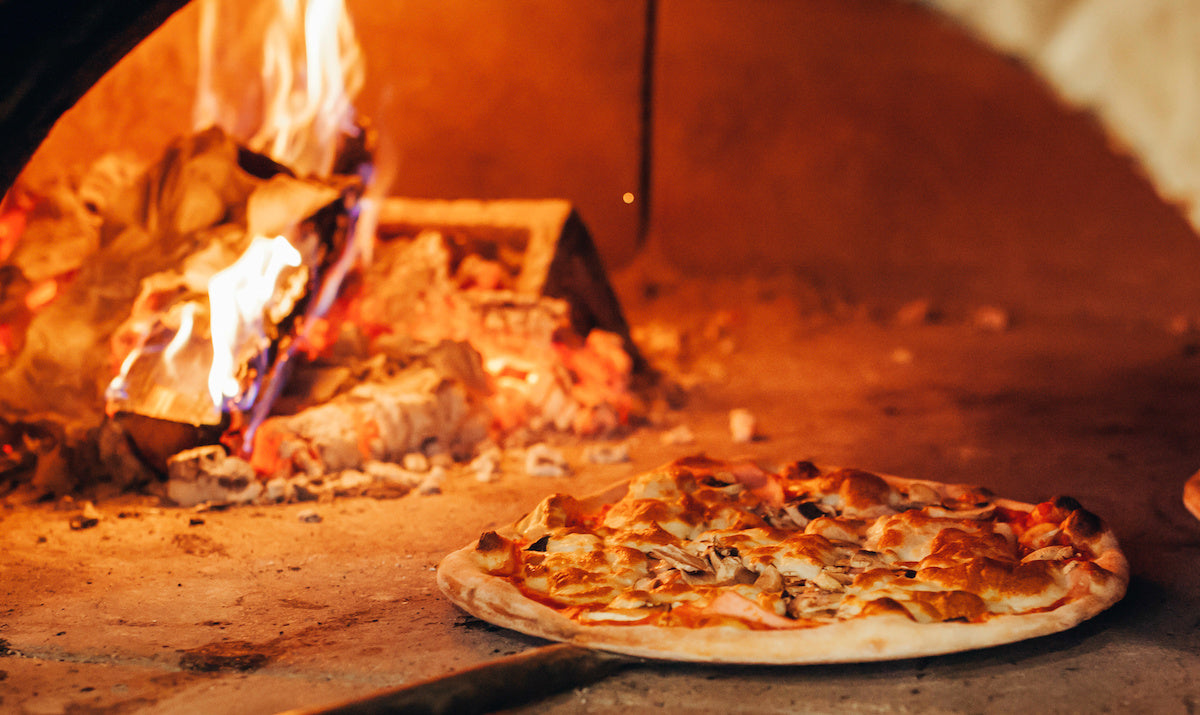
546 670
494 685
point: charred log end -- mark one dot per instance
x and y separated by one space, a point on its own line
576 274
557 257
155 440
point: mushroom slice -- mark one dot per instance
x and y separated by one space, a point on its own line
1041 536
680 559
770 580
1049 553
923 494
975 512
811 604
829 581
793 513
725 570
864 560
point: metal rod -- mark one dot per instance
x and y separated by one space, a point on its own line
646 146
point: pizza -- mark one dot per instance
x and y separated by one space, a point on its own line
719 561
1191 495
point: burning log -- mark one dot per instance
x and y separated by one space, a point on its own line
521 281
165 234
182 315
177 304
420 410
245 357
544 247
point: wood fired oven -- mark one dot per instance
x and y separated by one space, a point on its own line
892 245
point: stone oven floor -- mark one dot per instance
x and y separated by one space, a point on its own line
1104 408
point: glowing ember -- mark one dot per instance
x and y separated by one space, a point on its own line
238 297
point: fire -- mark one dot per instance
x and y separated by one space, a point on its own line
183 336
321 351
312 71
238 298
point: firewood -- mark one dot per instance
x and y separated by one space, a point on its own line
210 474
418 410
545 243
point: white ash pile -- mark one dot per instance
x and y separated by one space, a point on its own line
547 371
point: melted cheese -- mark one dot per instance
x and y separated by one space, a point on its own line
554 512
671 516
689 545
805 556
1005 587
909 535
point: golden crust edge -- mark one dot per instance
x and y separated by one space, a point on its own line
1191 495
883 637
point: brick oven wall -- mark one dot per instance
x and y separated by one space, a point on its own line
1136 65
773 148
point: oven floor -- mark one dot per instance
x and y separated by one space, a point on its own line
1104 408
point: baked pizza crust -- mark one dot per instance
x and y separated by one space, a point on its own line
1191 495
885 636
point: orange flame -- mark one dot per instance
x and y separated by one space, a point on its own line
238 297
312 70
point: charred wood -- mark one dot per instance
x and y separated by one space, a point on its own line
188 215
419 410
210 474
544 245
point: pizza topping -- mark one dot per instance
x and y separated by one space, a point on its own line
1000 581
676 557
702 542
554 512
1050 553
734 605
922 495
910 535
496 554
976 511
934 606
836 529
770 580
